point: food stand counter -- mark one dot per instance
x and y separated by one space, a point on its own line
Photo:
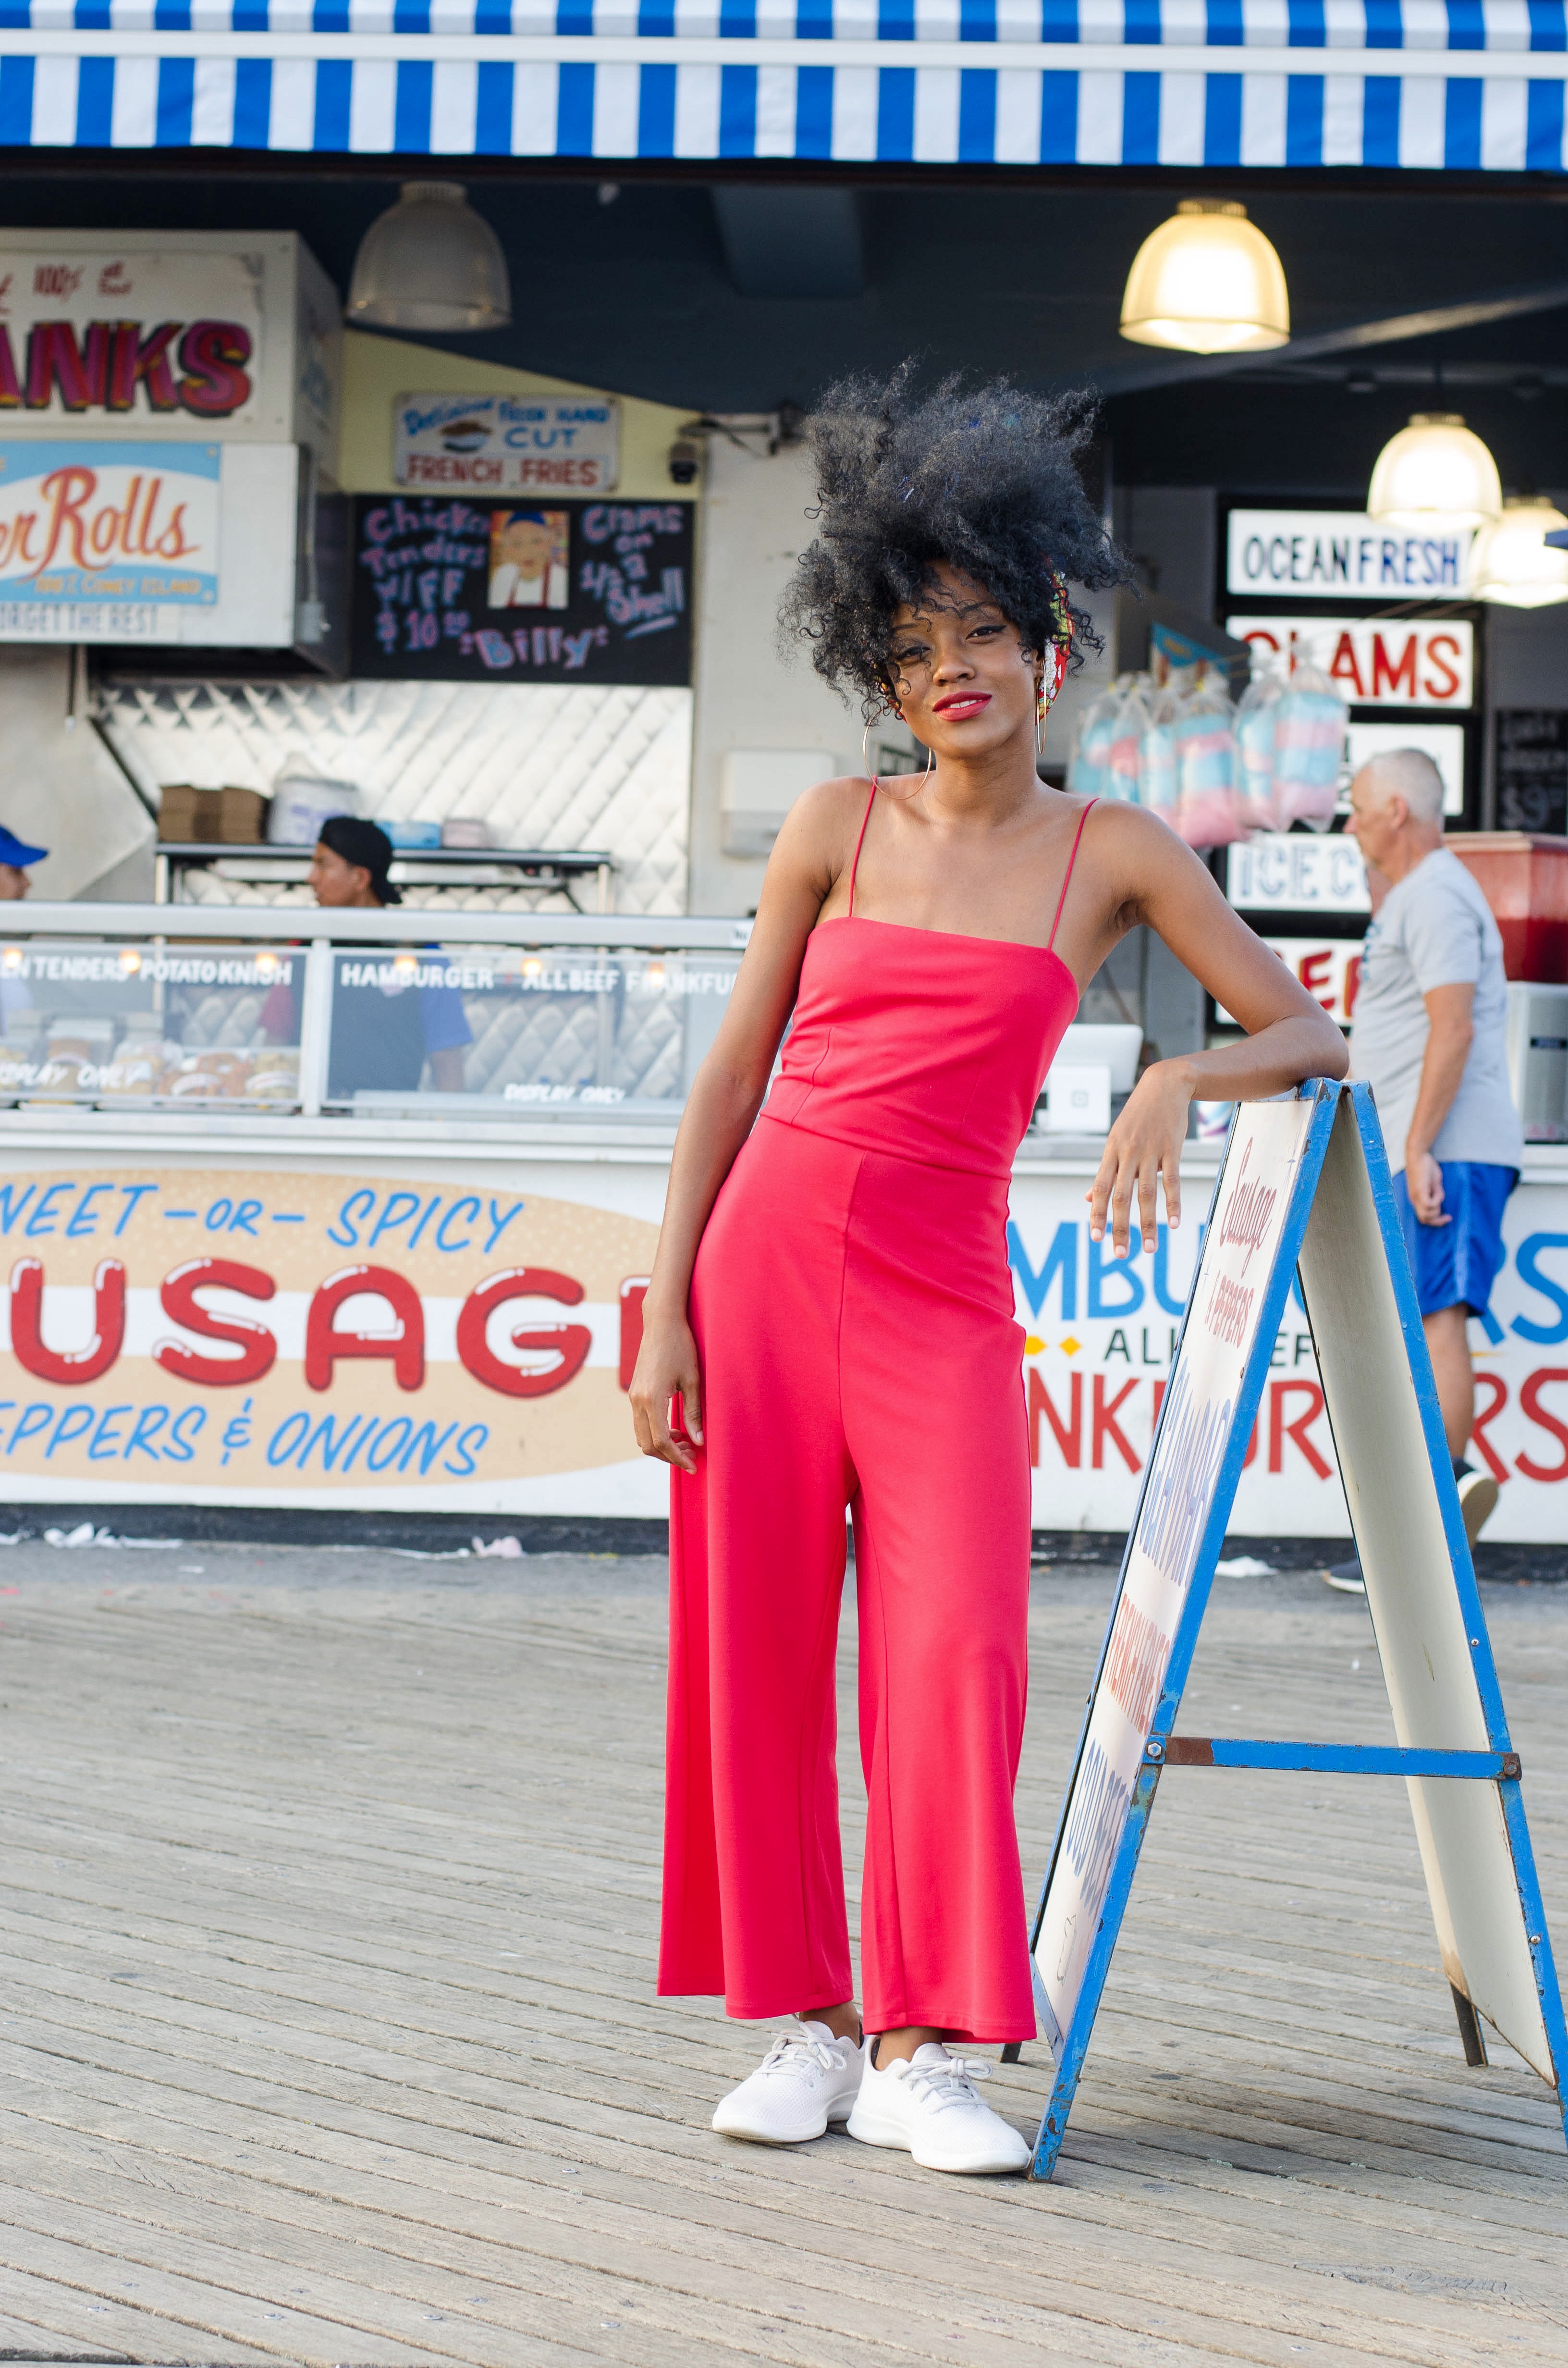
330 1214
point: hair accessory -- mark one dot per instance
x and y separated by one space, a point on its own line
1061 638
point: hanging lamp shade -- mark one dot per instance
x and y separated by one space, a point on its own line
430 262
1437 472
1512 562
1208 281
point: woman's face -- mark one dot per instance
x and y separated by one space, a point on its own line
963 681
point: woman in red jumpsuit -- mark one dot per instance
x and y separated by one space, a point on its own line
830 1319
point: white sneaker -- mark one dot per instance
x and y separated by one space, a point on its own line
1478 1502
806 2080
928 2106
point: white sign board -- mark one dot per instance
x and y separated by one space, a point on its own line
507 443
1293 871
1375 661
1305 1181
1246 1225
1432 1645
132 541
1329 554
127 332
88 528
237 336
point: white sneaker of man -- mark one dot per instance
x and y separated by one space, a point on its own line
929 2106
808 2078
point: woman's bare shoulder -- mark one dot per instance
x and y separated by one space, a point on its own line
823 824
1133 841
835 801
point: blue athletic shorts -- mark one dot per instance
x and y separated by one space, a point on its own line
1460 1261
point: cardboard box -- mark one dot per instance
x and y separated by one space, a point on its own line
228 817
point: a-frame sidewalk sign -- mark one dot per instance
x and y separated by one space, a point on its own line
1305 1188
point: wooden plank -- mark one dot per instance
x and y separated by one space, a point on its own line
50 2320
272 1838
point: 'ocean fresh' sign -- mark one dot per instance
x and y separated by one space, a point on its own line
1327 554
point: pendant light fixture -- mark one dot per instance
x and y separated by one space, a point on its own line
1207 281
1435 473
1513 560
430 262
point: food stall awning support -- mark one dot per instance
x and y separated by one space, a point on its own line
1458 85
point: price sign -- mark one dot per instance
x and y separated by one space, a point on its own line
451 590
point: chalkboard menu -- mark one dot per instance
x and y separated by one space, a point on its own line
448 590
1532 768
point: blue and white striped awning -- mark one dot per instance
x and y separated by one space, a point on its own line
1457 86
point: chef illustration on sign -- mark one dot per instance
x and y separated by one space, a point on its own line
528 559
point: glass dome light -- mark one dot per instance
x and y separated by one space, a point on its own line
1511 562
1208 281
430 262
1437 472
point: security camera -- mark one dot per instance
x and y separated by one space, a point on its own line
684 462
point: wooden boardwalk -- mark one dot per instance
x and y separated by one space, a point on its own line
327 1904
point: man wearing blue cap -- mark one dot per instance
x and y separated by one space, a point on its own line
14 857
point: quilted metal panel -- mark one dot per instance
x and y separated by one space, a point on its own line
546 765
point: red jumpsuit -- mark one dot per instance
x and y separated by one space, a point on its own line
853 1308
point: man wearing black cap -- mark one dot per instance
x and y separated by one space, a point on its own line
15 856
382 1036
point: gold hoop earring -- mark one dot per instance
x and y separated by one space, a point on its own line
917 785
872 778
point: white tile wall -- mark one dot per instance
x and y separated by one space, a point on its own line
546 765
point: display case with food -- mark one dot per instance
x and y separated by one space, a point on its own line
357 1211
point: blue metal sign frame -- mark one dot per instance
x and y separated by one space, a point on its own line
1498 1764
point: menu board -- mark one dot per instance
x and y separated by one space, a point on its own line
1532 768
448 590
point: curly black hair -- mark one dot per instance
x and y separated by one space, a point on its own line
985 481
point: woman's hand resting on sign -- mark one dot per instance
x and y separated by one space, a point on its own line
1133 872
1143 1151
667 1370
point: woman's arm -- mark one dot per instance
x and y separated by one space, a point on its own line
1289 1037
726 1094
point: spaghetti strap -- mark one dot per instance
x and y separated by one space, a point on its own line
855 859
1066 882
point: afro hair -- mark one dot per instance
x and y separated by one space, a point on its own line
986 481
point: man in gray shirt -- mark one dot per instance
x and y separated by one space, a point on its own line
1427 1033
